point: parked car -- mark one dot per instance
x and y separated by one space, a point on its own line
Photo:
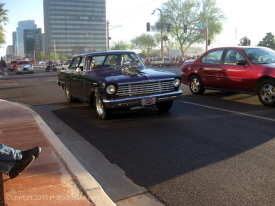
23 66
11 66
161 61
66 64
118 80
242 69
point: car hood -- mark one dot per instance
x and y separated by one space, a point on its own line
120 76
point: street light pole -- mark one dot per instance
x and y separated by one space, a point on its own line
108 38
161 40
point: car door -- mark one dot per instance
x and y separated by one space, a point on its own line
236 76
210 69
77 77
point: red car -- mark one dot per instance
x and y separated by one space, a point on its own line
242 69
12 65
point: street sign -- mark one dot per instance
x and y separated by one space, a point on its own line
200 24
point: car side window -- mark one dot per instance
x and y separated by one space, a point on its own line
213 57
75 63
232 56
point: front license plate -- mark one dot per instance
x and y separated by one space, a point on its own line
148 101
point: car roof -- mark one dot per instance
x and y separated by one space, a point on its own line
105 53
237 47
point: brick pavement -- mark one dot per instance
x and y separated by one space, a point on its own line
47 181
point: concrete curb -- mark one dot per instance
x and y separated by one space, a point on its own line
85 181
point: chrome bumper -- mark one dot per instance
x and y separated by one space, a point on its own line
136 101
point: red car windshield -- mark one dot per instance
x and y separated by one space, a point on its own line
260 55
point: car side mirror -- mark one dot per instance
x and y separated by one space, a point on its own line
241 62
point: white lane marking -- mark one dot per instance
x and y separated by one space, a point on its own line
230 111
8 84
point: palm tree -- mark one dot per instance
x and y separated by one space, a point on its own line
3 19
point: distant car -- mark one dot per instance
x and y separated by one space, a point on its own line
50 66
113 80
66 64
23 67
161 61
12 65
41 63
242 69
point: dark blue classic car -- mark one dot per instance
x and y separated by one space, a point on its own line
118 79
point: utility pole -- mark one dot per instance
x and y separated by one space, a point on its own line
161 40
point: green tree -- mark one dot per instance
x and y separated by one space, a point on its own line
144 42
41 56
189 12
268 41
53 57
3 19
245 41
120 45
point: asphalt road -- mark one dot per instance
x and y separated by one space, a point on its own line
213 149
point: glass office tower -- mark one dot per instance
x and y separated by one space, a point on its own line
19 46
74 26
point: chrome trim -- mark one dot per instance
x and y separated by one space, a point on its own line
136 101
147 81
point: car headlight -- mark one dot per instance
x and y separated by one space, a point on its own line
176 82
111 89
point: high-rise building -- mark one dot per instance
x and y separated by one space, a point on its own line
19 46
74 26
32 42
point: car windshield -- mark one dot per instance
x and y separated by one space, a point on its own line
23 63
112 60
260 55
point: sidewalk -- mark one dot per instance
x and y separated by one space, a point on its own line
56 177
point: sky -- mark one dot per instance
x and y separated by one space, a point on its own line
128 19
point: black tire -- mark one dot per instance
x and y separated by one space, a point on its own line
266 93
101 111
196 86
68 95
165 106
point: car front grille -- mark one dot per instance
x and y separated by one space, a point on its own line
145 88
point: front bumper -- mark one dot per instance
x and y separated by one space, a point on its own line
25 70
137 101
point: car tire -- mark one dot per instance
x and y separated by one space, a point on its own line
68 95
165 106
266 93
196 86
101 111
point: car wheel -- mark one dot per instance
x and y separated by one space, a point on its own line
266 93
196 86
165 106
101 111
68 95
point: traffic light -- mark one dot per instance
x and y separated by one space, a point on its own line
168 27
148 26
185 28
209 42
